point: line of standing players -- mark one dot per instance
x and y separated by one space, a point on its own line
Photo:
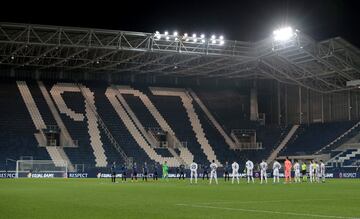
315 171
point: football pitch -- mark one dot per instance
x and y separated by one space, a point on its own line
99 198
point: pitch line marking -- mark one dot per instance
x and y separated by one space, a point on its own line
270 201
268 211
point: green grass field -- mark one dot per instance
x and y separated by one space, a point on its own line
99 198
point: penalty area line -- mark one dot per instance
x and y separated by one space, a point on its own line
267 211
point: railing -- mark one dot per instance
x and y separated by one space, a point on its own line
249 146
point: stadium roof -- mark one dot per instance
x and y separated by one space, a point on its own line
323 66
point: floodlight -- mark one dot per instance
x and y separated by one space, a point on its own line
185 35
176 39
283 34
222 42
157 32
221 37
195 40
194 35
203 41
166 33
167 38
213 37
175 33
187 39
213 41
202 36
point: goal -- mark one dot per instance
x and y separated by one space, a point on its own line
41 169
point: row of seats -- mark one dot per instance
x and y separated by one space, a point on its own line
17 129
184 117
310 138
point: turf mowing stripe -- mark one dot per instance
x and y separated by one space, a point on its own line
267 211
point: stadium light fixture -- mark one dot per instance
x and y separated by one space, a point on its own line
283 34
194 38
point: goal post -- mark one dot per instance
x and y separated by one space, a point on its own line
41 169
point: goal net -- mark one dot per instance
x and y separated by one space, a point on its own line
41 169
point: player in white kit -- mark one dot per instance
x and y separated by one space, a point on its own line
213 173
193 171
276 171
249 170
311 171
317 172
263 174
235 172
297 171
322 171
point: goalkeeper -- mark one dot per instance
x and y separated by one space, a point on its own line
165 171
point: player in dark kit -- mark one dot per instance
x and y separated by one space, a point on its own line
145 172
156 173
182 171
134 172
113 172
123 172
226 171
205 171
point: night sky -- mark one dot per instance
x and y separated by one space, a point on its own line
236 20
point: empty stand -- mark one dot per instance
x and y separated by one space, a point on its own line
192 116
228 140
72 105
151 117
17 128
310 138
39 123
124 112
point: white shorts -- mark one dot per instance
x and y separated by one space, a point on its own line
322 174
276 172
193 173
249 172
213 174
263 172
235 174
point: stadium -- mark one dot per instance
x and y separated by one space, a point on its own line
106 123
